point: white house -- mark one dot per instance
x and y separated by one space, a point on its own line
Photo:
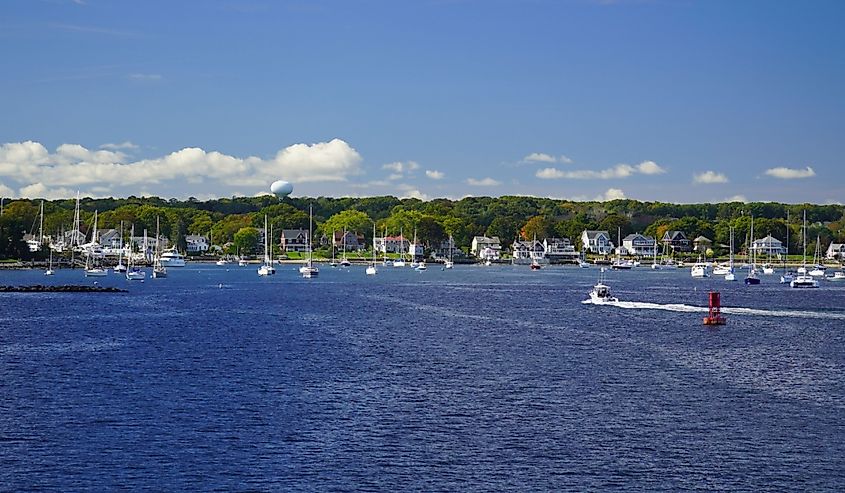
637 244
196 244
767 246
596 242
392 244
559 249
526 251
416 250
835 251
482 243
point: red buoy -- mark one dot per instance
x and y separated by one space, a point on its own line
714 317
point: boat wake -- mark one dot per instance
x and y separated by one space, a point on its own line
679 307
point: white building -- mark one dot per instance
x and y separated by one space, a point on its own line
526 251
835 251
392 244
559 249
637 244
481 245
596 242
767 246
196 244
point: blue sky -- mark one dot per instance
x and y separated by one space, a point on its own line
685 101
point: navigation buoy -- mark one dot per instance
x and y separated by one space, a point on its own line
714 316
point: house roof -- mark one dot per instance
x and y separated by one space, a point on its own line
592 234
702 239
674 235
486 239
290 234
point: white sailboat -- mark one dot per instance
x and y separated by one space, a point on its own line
309 270
371 269
729 275
751 278
333 263
49 271
787 276
654 264
266 268
159 271
803 280
133 272
93 264
413 256
818 269
344 262
449 263
400 262
120 267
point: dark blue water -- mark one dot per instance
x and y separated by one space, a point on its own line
484 379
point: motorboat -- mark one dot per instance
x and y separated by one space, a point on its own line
722 269
838 276
804 281
699 270
601 294
371 270
172 258
768 269
730 276
448 264
421 266
266 270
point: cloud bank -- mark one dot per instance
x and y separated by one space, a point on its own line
71 167
618 171
791 173
542 157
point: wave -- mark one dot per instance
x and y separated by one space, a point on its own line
680 307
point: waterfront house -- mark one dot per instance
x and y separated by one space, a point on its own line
526 251
637 244
596 242
676 241
835 251
294 240
196 244
480 245
351 241
392 244
702 244
559 249
416 250
768 246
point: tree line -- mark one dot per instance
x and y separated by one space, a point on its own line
507 217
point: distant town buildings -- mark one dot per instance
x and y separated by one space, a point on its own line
596 242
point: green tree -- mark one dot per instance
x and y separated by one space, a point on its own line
246 240
348 220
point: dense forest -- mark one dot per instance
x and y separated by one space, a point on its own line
507 217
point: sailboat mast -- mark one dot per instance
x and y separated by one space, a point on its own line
41 226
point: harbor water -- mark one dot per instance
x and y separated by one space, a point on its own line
471 379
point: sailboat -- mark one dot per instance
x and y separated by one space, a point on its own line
535 265
449 263
818 268
752 278
803 280
266 268
159 271
344 262
309 270
400 262
333 263
49 271
120 268
133 272
654 264
788 275
620 264
385 262
729 275
413 256
371 269
93 265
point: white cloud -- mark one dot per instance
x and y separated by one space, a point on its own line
736 198
29 163
434 175
618 171
650 168
401 166
542 157
484 182
41 191
611 194
709 177
790 173
122 145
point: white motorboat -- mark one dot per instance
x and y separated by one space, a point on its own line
838 276
699 270
172 258
768 269
421 266
601 294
